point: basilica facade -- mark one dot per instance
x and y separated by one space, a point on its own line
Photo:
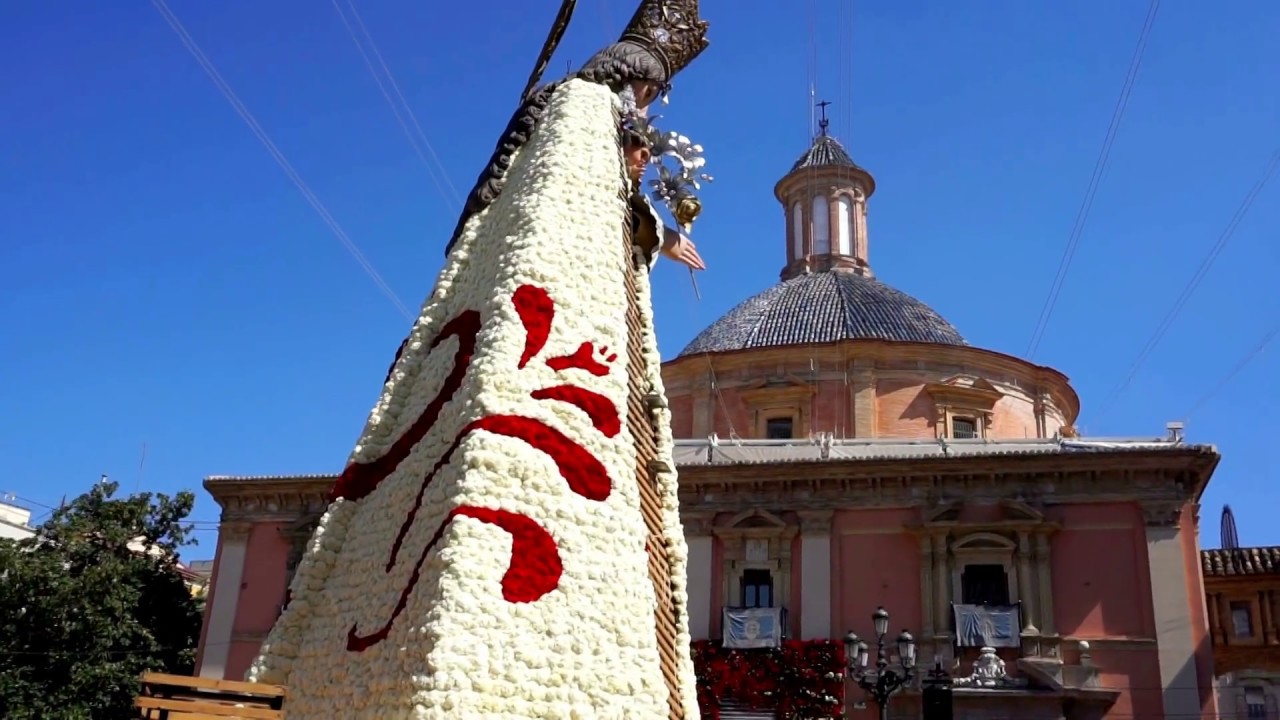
842 448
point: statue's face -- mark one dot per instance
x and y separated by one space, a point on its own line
646 91
637 160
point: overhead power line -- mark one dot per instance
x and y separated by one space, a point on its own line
1189 289
1239 366
277 155
1095 180
437 173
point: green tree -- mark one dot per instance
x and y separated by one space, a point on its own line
83 612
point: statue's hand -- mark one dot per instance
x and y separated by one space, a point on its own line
681 249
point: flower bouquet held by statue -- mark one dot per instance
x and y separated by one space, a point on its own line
679 164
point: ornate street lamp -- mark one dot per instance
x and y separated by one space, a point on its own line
880 681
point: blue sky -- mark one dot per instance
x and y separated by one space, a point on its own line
165 283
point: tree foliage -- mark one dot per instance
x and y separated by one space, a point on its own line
83 612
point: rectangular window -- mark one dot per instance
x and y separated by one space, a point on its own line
964 428
1255 703
757 589
1242 619
984 585
778 428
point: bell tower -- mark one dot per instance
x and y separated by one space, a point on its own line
824 198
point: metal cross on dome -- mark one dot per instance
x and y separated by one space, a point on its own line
824 122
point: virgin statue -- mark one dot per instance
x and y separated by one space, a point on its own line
505 541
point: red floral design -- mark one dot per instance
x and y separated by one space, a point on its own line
802 680
584 358
535 567
601 410
360 479
536 311
537 574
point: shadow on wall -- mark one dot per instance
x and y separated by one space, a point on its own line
921 407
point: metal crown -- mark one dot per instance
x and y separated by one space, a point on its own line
671 30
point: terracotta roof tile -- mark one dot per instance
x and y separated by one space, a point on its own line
1241 561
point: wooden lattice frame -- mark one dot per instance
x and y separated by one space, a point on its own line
644 435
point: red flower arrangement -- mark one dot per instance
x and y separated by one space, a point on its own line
802 680
535 568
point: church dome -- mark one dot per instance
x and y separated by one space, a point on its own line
825 307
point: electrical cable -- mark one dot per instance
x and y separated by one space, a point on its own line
1189 289
192 47
450 195
1095 180
1239 366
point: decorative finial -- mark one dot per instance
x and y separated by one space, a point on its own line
1230 537
671 30
824 122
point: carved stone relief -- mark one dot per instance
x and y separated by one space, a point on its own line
1161 514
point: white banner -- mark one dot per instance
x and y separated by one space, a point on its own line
752 627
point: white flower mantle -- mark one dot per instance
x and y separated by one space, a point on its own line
454 647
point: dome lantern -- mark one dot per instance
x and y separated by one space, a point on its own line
824 198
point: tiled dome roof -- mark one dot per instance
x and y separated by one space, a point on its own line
825 307
825 151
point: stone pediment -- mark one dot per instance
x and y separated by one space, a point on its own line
1018 510
969 381
1012 512
756 518
946 512
776 388
965 390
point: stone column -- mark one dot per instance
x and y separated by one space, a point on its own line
703 406
1270 598
1265 619
1038 409
1026 591
233 541
1045 577
864 398
1215 620
788 214
701 572
1224 618
927 599
941 584
833 221
1171 605
859 222
815 575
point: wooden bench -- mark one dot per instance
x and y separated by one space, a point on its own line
175 697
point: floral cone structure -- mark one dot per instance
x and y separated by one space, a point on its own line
485 555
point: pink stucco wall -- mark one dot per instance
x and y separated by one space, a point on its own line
262 590
879 565
1095 599
260 596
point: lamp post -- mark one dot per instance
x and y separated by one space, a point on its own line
880 681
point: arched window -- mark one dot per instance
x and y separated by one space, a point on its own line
844 230
797 230
821 226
